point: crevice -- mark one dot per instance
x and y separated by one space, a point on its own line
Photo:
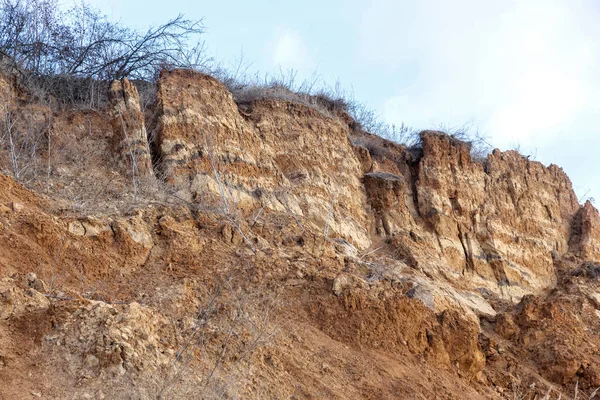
496 263
152 124
486 167
497 266
548 213
156 159
113 229
414 165
469 264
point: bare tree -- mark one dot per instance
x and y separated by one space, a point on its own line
70 54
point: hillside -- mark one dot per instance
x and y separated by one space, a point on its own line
199 247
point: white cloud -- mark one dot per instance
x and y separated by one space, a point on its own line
526 71
291 52
546 71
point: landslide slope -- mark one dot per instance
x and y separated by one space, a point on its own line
272 249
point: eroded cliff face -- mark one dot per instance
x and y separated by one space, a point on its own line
288 254
495 224
467 232
278 155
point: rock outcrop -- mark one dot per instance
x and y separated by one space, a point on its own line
278 155
495 224
284 253
129 128
585 239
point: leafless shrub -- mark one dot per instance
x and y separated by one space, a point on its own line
67 56
480 146
520 391
22 136
67 91
332 101
379 147
134 156
284 86
226 332
45 39
368 120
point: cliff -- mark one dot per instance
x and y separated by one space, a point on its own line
279 155
208 249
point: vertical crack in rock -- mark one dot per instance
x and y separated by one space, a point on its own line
469 264
414 166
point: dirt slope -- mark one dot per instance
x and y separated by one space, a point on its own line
272 251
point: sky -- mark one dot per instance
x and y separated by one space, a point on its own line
526 73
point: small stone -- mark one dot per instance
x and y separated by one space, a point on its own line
91 361
339 284
594 298
36 394
35 283
17 207
76 228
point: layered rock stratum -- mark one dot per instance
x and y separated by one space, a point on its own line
272 249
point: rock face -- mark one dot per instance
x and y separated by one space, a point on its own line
494 224
129 128
278 155
393 263
586 233
557 332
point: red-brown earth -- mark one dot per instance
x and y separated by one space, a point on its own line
272 250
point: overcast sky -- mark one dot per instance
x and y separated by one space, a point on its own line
526 73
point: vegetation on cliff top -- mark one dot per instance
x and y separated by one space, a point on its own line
68 56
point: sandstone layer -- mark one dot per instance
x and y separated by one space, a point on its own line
263 157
